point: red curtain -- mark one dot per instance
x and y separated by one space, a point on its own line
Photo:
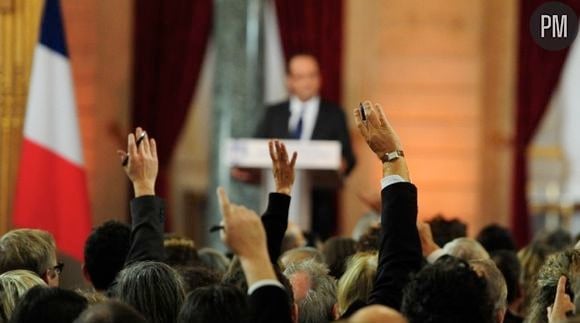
538 75
170 38
315 27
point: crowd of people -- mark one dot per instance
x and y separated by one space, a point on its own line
399 270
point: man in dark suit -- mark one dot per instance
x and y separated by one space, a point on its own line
305 116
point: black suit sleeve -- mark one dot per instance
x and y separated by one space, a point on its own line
146 230
275 221
270 304
400 249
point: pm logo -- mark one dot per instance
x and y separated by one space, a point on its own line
554 25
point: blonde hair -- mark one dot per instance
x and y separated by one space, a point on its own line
357 281
29 249
13 285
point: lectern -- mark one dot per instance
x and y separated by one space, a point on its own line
317 166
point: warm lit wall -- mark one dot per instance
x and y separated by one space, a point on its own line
99 38
428 63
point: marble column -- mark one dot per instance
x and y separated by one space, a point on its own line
238 99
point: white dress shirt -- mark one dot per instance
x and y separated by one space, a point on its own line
309 112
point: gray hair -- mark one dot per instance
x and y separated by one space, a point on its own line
320 299
496 286
466 249
299 255
153 288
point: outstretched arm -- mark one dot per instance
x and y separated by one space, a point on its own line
400 248
275 219
245 236
146 209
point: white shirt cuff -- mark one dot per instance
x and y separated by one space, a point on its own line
391 179
262 283
431 258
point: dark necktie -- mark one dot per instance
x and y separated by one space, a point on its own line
297 132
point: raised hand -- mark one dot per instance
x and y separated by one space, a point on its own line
282 169
381 138
142 166
377 130
562 304
243 231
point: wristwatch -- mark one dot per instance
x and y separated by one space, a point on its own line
393 155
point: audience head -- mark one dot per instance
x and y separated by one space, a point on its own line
213 260
111 312
507 262
303 79
336 252
180 251
300 255
314 291
495 237
49 305
217 303
377 314
293 238
370 240
448 291
566 263
30 249
105 253
152 288
197 276
496 286
466 249
558 239
357 282
13 285
446 230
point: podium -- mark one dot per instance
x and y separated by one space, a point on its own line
317 166
321 159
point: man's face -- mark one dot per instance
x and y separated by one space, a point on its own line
303 77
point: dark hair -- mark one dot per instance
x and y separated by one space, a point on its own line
153 288
48 305
558 239
449 291
217 303
495 237
197 276
508 263
180 251
105 252
111 312
298 53
446 230
337 251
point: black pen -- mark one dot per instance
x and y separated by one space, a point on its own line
126 159
362 112
216 228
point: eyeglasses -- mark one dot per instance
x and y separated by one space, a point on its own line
58 268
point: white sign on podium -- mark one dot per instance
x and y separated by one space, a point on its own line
312 154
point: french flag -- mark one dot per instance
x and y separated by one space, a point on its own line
51 191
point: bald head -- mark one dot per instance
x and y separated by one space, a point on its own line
303 77
377 314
